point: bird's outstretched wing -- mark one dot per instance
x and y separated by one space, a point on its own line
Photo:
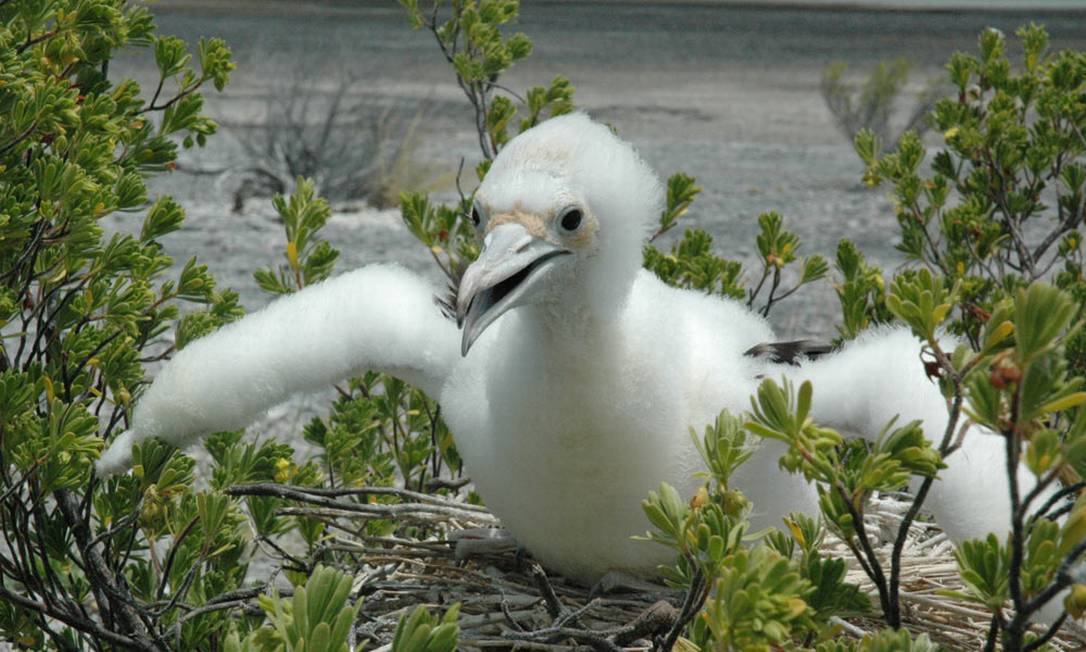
882 376
379 318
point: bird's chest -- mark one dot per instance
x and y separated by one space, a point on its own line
598 423
564 409
564 445
564 452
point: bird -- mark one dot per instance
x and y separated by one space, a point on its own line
570 376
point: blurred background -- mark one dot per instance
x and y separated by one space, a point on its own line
736 94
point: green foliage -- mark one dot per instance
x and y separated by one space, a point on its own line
723 447
142 560
777 248
1021 388
422 632
1016 385
1000 209
123 561
681 191
830 593
380 432
379 429
446 231
846 474
308 260
750 596
692 264
984 567
774 417
317 617
1029 382
861 292
472 41
757 601
922 301
1003 202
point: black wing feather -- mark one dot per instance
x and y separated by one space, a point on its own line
792 353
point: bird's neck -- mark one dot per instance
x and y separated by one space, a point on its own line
579 321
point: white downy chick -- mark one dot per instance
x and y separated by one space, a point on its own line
576 377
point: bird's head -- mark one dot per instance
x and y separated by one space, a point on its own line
562 216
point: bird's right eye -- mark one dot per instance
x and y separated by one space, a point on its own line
571 219
475 219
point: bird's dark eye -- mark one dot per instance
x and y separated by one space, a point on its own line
572 219
475 219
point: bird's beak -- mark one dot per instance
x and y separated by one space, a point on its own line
511 263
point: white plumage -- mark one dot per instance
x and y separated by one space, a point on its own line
584 372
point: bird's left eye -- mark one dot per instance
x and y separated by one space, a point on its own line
572 219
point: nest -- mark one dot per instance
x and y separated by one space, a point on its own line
928 568
507 601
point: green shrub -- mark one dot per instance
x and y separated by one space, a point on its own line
316 618
147 560
1003 205
1013 160
997 218
99 562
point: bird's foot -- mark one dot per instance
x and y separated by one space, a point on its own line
473 542
554 606
617 581
653 624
